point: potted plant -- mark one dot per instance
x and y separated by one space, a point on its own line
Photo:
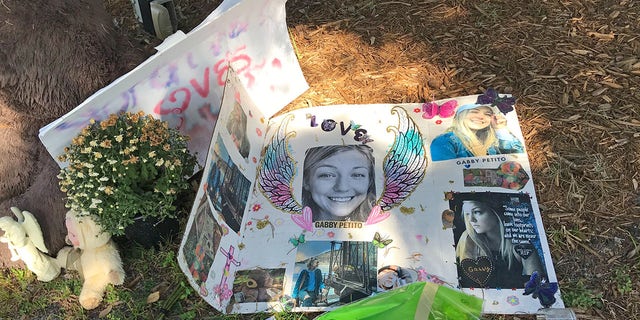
126 168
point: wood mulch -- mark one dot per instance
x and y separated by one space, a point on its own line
574 66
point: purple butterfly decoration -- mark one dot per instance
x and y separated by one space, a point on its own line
539 288
445 110
504 103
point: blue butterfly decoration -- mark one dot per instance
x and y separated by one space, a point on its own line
539 288
504 104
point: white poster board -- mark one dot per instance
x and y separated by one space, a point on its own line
362 190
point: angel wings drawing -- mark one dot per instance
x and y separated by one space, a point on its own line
404 167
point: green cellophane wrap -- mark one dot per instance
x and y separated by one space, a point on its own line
419 300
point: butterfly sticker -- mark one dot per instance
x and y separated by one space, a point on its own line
295 241
379 242
354 126
538 287
445 110
504 103
365 139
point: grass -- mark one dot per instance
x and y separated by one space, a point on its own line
155 288
578 295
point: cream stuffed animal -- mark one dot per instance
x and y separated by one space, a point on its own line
94 255
25 242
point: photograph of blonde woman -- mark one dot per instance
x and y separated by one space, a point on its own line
485 236
338 182
477 130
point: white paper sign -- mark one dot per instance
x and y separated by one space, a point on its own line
183 82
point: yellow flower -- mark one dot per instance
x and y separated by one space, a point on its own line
152 154
97 155
78 140
133 159
119 138
106 144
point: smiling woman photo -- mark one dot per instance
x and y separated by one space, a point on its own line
484 236
476 131
338 182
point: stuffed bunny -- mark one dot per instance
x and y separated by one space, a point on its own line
94 255
25 242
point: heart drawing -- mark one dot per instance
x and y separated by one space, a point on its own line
478 270
376 215
304 220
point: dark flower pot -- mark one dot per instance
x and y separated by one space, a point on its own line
150 233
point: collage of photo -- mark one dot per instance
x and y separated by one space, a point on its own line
320 207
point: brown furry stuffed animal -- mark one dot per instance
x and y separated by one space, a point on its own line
53 55
94 255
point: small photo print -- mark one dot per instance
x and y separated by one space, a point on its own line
227 187
339 182
258 285
237 128
202 242
496 239
508 175
329 273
